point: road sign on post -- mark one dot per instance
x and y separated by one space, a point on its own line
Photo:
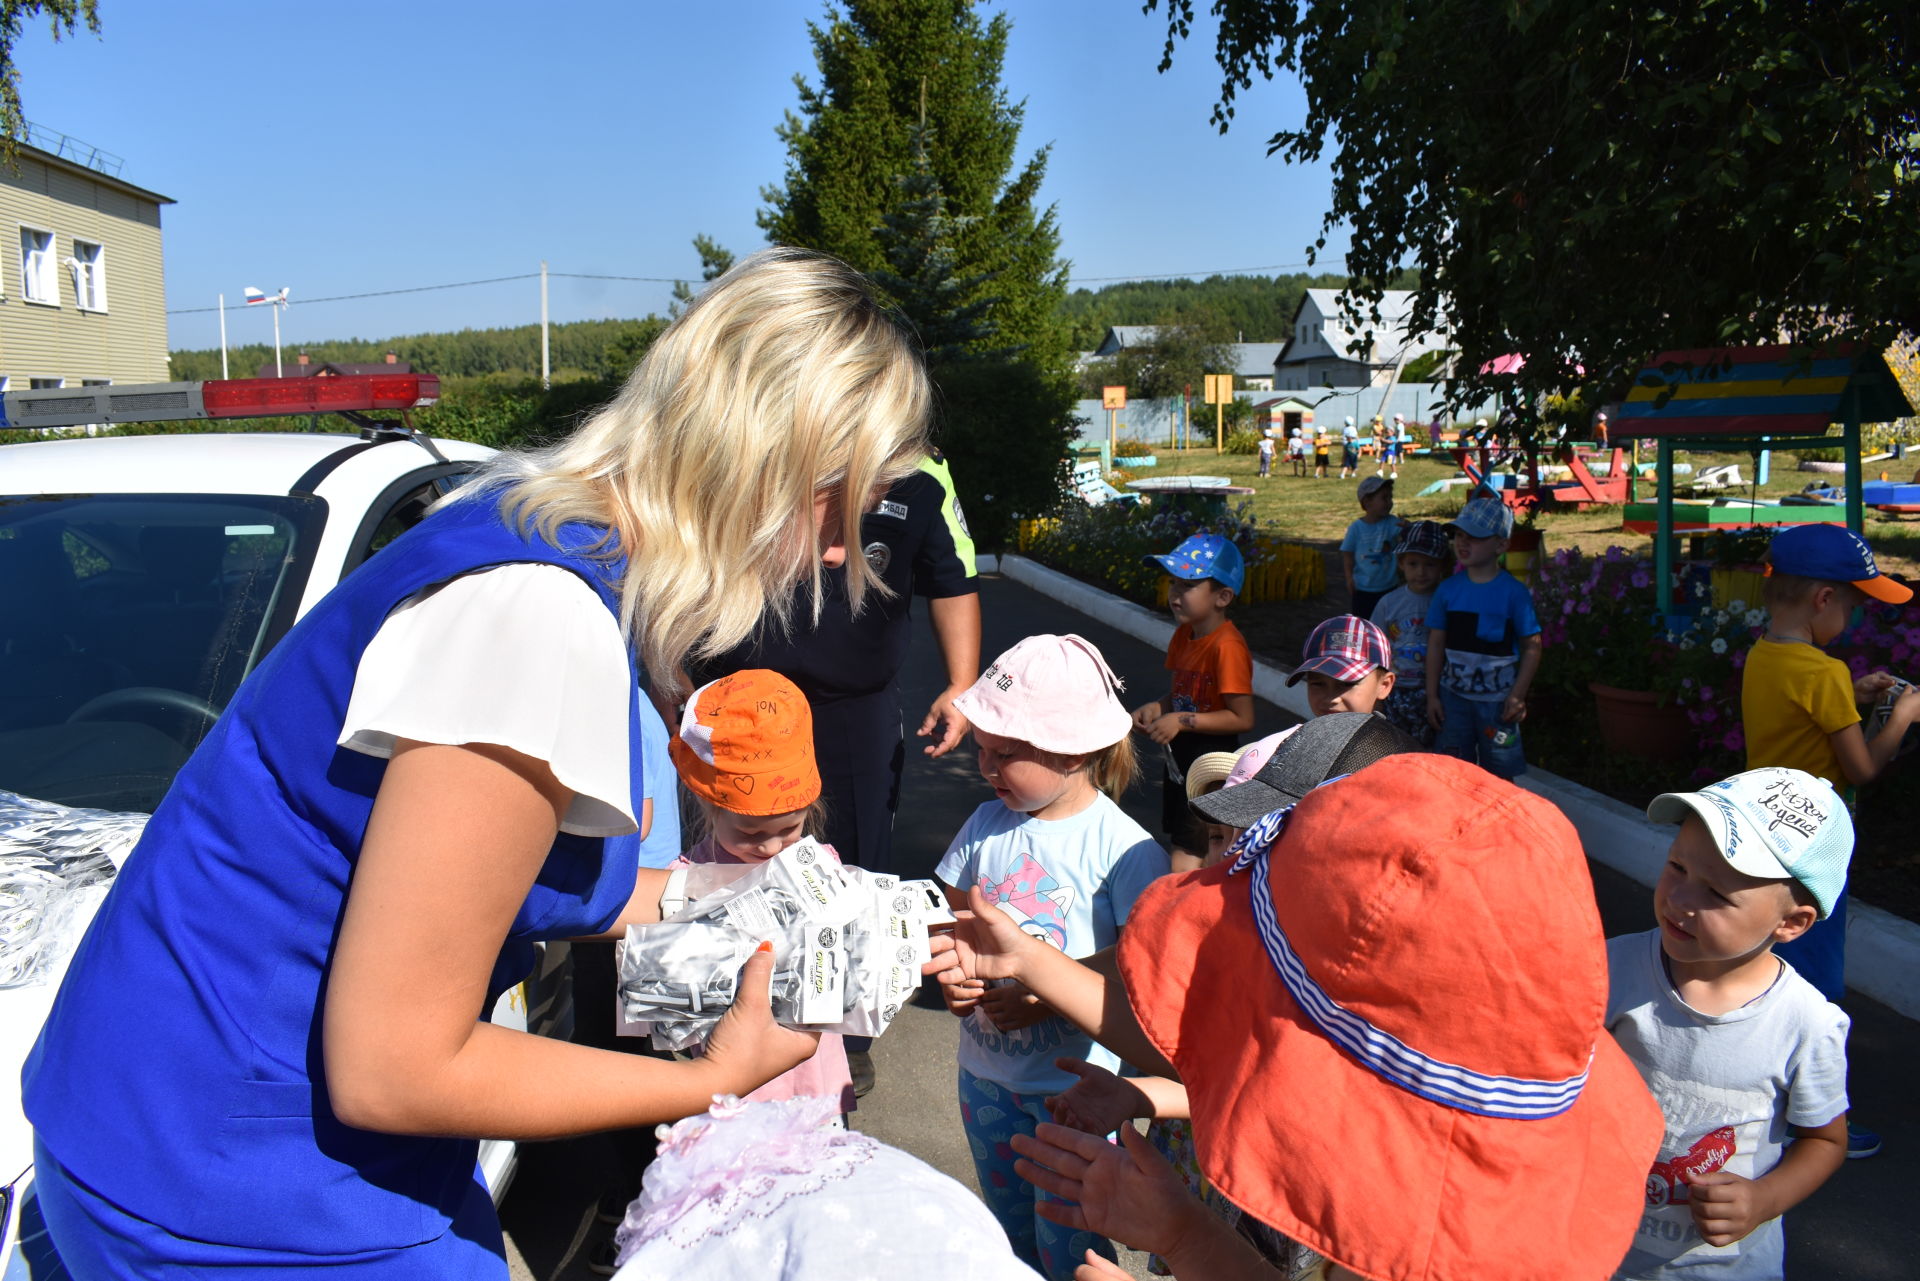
1219 392
1113 400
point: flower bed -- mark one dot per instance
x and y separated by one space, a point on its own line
1108 545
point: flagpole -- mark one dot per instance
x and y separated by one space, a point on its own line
279 370
223 336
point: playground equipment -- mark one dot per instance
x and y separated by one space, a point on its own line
1740 399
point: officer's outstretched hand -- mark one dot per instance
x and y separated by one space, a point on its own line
953 725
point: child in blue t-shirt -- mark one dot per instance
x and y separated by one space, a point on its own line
1366 552
1055 853
1483 646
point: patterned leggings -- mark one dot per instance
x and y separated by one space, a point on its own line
992 1115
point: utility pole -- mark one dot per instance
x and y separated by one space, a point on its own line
546 347
223 335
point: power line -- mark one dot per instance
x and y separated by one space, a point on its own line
674 280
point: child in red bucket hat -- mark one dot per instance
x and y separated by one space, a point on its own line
1390 1023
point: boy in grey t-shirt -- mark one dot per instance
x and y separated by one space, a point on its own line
1737 1048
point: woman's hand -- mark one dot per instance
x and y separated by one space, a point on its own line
1100 1102
747 1048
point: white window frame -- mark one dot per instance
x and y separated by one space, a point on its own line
48 276
89 275
46 384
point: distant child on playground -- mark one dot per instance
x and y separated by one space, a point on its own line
1210 703
1322 443
1483 646
745 751
1735 1045
1800 707
1056 854
1366 553
1349 450
1266 453
1347 665
1425 557
1297 450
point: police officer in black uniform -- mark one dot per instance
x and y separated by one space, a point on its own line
917 543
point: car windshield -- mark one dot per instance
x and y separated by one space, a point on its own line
126 623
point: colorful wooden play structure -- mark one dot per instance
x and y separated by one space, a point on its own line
1736 399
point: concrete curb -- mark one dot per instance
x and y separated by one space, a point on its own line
1883 950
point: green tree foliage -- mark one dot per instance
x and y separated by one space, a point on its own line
902 163
884 66
1176 357
1006 427
64 17
1591 183
1250 308
715 261
602 349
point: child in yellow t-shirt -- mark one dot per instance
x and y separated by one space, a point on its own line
1800 706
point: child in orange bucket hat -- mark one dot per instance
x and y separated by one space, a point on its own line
745 751
1390 1023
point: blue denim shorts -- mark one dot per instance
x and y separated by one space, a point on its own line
1473 731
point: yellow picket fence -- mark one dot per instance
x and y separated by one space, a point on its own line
1278 570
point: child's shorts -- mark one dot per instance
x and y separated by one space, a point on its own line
1473 731
1350 456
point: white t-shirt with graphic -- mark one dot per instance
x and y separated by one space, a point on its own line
1729 1085
1403 617
1070 881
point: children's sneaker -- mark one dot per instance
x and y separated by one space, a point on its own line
611 1209
1861 1143
604 1261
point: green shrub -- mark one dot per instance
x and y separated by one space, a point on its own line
1133 449
1819 455
1243 442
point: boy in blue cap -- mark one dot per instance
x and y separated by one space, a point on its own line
1483 646
1736 1046
1211 702
1800 707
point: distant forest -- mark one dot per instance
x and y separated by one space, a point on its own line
1221 308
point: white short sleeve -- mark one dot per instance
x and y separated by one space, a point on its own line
524 656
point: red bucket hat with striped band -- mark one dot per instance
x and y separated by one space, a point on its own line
1415 1049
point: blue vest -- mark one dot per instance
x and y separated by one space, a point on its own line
180 1072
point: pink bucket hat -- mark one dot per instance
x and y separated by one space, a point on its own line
1055 692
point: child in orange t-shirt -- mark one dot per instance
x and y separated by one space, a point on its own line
1211 702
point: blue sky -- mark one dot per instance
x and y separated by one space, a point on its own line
355 147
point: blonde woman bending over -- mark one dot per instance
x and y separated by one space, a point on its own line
438 766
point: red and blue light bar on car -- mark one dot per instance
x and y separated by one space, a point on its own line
216 398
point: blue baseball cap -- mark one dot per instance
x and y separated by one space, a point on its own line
1483 518
1775 823
1205 556
1837 554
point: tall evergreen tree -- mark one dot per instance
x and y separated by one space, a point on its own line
901 161
884 66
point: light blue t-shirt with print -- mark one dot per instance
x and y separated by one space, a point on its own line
1371 542
1070 881
1403 617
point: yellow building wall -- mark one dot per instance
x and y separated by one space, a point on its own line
127 343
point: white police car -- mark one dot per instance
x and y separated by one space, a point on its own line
141 578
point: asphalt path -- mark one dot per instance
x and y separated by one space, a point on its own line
1862 1226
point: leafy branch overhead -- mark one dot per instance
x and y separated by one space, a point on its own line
64 18
1588 184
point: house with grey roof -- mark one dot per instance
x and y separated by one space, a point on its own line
1120 337
1324 351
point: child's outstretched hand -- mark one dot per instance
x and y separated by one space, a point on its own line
1100 1102
747 1047
1010 1006
962 995
1145 715
1870 687
983 944
1125 1191
1725 1206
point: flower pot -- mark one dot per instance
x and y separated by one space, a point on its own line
1737 584
1634 722
1523 552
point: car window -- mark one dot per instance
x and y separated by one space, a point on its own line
128 622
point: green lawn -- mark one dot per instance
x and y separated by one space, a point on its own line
1319 510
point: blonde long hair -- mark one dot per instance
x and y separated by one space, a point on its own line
785 380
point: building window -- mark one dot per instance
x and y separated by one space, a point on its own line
46 384
37 280
89 264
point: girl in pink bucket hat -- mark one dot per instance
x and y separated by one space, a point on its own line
1056 855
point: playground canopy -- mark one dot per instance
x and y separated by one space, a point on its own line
1745 398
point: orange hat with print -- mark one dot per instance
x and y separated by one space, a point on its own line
746 745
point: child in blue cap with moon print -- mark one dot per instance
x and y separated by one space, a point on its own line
1210 703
